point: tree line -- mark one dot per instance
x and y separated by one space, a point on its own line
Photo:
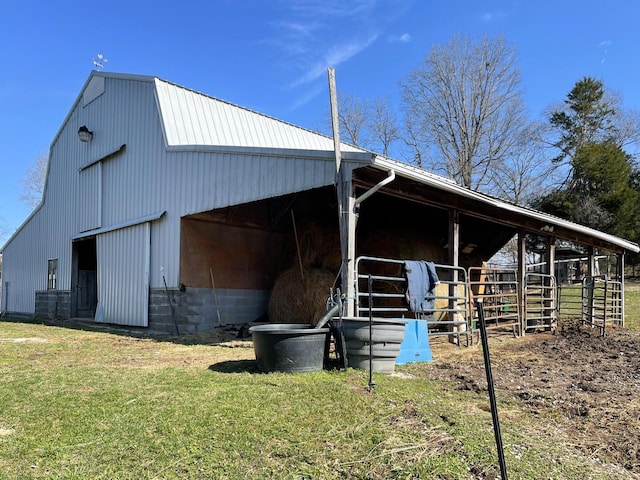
464 117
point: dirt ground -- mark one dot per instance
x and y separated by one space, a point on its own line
589 383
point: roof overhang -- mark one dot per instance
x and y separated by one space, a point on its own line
419 185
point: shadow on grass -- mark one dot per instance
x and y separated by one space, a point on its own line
235 366
217 337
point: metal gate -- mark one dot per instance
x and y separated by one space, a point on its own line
602 302
541 305
497 289
450 314
570 301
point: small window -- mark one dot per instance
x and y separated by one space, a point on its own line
52 274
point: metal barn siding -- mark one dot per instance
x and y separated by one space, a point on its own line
123 275
90 198
89 188
23 271
205 182
133 182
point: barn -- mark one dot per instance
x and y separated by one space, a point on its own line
168 209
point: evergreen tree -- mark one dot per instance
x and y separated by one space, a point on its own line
600 190
603 189
587 117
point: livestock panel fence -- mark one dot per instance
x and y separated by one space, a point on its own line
387 298
597 301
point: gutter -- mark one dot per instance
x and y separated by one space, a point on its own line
390 178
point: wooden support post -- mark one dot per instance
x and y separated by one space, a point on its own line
346 202
454 261
550 260
591 285
550 255
522 272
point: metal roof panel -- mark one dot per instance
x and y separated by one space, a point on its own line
194 119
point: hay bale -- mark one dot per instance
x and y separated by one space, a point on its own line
401 244
295 301
319 246
442 303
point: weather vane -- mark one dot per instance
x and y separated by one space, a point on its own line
99 61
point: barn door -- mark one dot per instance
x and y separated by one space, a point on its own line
123 276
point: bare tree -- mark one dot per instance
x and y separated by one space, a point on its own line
383 125
4 232
525 172
33 181
352 116
626 124
465 106
366 124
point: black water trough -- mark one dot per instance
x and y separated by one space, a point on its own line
289 347
380 345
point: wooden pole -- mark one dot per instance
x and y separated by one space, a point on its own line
522 279
454 259
295 233
346 215
215 296
335 125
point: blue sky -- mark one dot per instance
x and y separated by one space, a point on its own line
272 56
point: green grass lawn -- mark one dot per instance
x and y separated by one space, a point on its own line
79 404
632 305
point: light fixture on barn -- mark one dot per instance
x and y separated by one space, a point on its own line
84 134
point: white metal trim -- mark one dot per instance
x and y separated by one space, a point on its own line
119 226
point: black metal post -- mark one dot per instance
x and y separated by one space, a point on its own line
492 392
370 285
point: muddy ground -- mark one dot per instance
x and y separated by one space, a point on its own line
589 383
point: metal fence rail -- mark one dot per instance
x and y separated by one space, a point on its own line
570 301
497 289
615 302
602 302
541 305
597 301
450 314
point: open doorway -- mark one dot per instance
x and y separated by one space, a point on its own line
84 278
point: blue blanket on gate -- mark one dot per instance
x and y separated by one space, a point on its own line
421 284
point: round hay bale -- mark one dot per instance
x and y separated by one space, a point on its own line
378 243
319 246
296 301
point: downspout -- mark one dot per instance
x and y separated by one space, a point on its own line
390 178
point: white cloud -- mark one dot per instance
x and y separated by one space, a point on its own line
404 38
493 16
604 45
332 58
312 35
308 96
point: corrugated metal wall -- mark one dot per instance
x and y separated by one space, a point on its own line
145 178
89 211
123 275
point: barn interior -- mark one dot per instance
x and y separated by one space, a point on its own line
285 244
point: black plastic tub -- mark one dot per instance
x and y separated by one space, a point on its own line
289 347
